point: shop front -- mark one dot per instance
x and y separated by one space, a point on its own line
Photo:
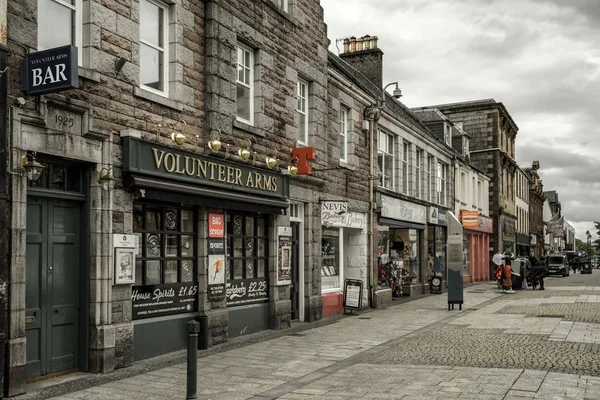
523 245
343 253
207 242
400 236
507 234
436 242
476 245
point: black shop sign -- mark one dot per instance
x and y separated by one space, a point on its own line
247 291
157 300
51 70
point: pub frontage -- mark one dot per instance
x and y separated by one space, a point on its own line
208 239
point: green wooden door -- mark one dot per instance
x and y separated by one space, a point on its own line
52 295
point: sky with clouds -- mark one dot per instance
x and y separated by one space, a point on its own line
541 58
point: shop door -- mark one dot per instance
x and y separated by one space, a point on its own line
295 289
52 290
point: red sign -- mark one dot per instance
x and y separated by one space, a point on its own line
216 225
469 218
304 154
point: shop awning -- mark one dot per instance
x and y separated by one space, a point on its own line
394 223
167 191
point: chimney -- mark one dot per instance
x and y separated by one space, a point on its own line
364 55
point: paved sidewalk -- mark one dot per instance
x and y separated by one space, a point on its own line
416 350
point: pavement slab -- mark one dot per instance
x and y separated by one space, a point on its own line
533 344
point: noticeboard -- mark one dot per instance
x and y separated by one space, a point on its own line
352 294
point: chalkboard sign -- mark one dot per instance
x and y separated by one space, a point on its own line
352 294
435 285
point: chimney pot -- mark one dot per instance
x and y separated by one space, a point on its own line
374 42
359 44
352 44
346 45
366 42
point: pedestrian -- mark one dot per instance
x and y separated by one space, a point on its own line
507 276
540 271
498 261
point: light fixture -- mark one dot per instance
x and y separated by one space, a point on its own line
105 179
245 153
214 143
397 93
293 167
119 64
179 137
33 169
271 161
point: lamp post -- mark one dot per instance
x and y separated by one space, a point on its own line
589 245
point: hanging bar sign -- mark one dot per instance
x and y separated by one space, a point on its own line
51 70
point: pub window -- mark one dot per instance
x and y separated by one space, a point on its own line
154 41
245 84
247 246
167 244
62 177
59 24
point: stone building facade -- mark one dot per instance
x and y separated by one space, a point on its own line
412 183
174 152
492 150
536 209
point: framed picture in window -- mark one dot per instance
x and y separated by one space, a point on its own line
124 266
332 270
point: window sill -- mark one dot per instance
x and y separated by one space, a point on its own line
285 14
89 75
462 203
247 128
334 290
146 95
345 165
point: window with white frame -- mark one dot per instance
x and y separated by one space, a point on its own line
59 24
430 181
441 186
418 175
282 3
154 46
405 166
385 159
479 194
463 186
245 84
302 111
465 147
447 134
343 134
473 193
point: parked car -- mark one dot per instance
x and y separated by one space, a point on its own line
558 264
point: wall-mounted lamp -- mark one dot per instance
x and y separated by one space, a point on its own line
214 144
119 64
179 137
105 179
245 153
271 161
293 167
33 169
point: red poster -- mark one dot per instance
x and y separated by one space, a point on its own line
216 225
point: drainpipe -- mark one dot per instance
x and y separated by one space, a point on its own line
4 191
372 114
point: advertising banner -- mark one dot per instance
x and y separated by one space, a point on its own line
284 255
157 300
247 291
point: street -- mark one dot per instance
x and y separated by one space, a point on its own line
531 344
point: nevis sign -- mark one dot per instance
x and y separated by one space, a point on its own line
50 71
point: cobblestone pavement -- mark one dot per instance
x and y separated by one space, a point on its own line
496 348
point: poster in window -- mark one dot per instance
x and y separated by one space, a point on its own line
216 269
216 225
284 256
124 266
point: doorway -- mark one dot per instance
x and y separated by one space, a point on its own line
53 265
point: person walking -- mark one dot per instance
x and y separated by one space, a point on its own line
507 276
540 271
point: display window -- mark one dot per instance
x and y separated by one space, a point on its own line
167 244
436 251
247 258
401 265
331 275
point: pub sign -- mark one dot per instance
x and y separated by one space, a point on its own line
50 71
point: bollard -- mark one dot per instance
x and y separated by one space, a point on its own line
203 333
192 360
